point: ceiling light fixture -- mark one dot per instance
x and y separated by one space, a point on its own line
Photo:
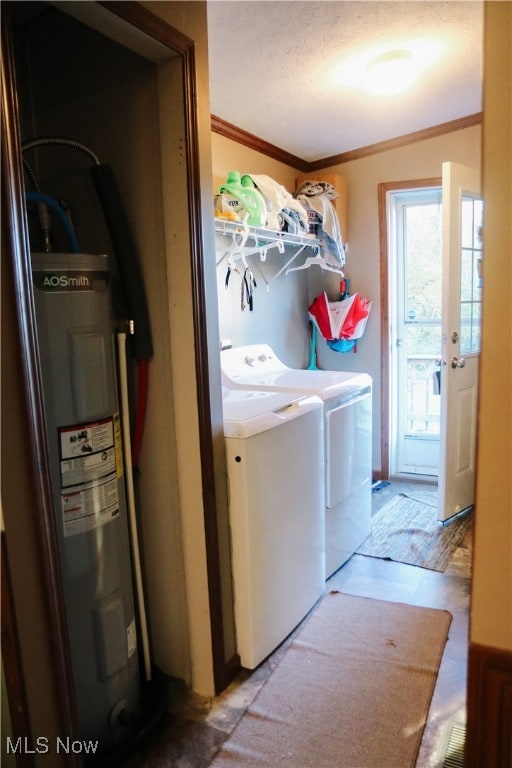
390 73
398 66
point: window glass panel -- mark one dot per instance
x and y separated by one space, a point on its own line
476 339
470 278
423 339
467 229
477 281
424 265
423 344
469 339
478 221
465 340
466 311
466 275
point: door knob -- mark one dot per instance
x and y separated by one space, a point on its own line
456 363
439 362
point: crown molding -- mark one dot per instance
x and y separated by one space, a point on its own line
253 142
400 141
230 131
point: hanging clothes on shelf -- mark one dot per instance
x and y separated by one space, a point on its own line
316 197
247 285
284 212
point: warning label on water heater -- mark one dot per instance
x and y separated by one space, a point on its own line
88 474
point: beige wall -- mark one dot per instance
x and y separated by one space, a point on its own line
176 321
227 155
491 600
190 19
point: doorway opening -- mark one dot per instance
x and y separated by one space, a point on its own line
415 303
457 375
403 321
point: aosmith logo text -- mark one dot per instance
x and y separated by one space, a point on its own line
71 280
65 281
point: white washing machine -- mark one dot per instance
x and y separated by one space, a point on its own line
274 451
347 398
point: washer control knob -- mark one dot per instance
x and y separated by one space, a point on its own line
249 360
262 357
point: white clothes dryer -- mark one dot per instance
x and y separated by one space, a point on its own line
347 399
274 451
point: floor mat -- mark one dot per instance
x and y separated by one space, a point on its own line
430 498
407 530
352 691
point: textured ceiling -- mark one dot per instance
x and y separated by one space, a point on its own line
272 69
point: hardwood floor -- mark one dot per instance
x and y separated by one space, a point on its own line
194 730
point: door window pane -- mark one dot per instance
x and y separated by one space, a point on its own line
423 343
423 265
470 277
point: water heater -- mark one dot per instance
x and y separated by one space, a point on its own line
75 331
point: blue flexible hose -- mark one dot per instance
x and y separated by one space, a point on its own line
312 349
40 197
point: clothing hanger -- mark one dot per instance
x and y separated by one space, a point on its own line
238 241
320 262
263 249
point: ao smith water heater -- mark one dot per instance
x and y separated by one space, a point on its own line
75 331
76 347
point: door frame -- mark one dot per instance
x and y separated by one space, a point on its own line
209 412
382 192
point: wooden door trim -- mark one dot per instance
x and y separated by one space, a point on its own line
489 707
223 669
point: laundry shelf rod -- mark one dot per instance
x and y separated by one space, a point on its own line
247 241
260 235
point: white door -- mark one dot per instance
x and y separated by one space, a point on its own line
460 338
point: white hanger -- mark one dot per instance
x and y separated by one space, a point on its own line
263 249
238 241
320 262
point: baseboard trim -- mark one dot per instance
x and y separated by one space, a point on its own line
488 740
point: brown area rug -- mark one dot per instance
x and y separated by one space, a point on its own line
407 530
352 691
